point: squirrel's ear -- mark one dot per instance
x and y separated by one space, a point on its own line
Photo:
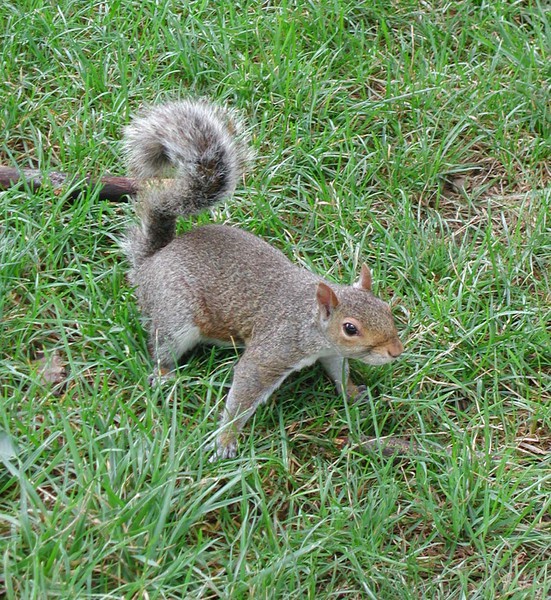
327 299
364 282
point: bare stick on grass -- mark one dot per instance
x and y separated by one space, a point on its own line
109 187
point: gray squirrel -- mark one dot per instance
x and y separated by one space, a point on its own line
219 284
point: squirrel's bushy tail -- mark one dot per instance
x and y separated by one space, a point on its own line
188 155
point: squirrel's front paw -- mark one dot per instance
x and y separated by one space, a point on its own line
355 392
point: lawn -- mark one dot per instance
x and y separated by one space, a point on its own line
414 136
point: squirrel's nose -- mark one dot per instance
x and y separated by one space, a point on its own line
396 349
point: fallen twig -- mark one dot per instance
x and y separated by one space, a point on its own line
109 187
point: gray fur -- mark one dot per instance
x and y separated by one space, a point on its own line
221 284
189 155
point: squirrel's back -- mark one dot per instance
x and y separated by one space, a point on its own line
187 156
234 280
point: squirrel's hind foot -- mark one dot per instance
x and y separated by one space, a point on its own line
160 376
223 448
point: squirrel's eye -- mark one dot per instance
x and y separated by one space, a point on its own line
350 329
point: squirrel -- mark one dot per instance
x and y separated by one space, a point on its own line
220 284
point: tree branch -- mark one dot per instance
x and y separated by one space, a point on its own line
109 188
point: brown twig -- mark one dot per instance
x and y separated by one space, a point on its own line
109 188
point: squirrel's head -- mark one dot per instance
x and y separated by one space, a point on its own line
357 323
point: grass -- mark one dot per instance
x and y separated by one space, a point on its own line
413 136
